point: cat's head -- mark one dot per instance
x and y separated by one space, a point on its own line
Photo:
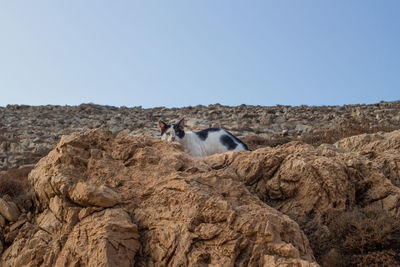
172 132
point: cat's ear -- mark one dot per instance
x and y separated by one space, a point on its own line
162 125
181 123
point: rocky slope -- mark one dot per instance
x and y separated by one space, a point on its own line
106 200
128 201
27 133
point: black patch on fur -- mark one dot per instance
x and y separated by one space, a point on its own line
238 141
166 128
203 134
228 141
179 131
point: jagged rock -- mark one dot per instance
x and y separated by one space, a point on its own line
9 210
173 209
381 148
16 225
102 196
139 201
10 236
310 183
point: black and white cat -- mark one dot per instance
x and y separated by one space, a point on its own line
204 143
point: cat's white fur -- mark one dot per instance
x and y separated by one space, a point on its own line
197 147
212 145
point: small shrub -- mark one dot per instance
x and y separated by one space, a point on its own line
254 142
14 182
363 230
346 129
385 258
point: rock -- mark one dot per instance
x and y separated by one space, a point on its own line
16 225
158 187
185 212
31 130
9 210
10 236
309 183
2 221
381 148
276 261
102 196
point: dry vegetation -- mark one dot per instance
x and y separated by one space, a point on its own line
384 258
347 129
14 183
364 233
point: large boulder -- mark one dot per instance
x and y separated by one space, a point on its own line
125 201
104 200
381 148
311 184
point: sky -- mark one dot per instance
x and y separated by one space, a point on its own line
185 53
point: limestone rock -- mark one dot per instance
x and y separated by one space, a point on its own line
381 148
2 221
102 196
113 200
309 183
9 210
171 209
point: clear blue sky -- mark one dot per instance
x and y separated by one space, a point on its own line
180 53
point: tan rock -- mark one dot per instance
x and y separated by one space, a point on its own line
16 225
276 261
9 210
309 183
10 236
108 238
2 221
128 200
184 212
84 195
381 148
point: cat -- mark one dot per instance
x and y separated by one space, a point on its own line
203 143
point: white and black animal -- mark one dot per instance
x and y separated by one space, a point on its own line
204 143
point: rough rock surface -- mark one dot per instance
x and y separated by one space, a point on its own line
309 183
27 133
128 201
9 210
381 148
140 201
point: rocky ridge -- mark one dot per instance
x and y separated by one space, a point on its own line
27 133
108 200
130 199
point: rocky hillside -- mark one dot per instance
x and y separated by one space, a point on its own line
105 200
27 133
119 196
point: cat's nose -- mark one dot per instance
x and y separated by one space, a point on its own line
173 138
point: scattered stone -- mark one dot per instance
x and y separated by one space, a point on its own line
16 225
10 236
9 210
2 221
29 132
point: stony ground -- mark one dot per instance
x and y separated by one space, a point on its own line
132 200
27 133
